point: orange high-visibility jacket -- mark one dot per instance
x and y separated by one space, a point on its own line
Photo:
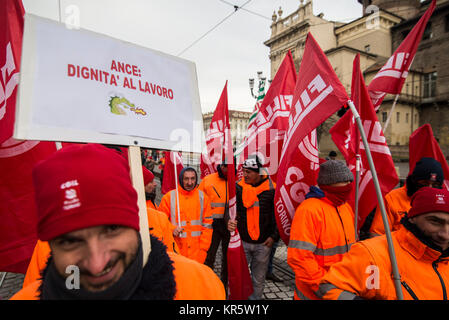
196 221
215 189
159 227
320 235
162 228
397 203
194 281
151 205
366 271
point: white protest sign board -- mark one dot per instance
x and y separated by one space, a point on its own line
81 86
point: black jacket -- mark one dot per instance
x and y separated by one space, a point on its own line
267 220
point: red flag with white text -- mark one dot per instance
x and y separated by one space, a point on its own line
265 135
347 138
391 77
215 136
239 280
318 94
422 143
169 179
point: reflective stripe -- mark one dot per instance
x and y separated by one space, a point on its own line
201 194
196 233
346 295
195 222
207 225
324 288
297 244
217 205
300 294
183 223
183 235
218 216
255 204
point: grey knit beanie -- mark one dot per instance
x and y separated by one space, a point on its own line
334 171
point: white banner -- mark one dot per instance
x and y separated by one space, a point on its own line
81 86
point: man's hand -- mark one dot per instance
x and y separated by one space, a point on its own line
232 225
269 242
177 231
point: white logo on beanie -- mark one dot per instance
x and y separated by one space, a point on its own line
71 191
440 199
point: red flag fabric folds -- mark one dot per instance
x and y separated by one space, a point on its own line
346 136
318 94
169 179
422 143
391 77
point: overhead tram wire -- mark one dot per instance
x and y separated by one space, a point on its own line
249 11
214 27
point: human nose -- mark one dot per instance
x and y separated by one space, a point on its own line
97 257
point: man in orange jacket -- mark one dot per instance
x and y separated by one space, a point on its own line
96 250
215 186
322 230
193 232
150 188
427 173
255 221
422 252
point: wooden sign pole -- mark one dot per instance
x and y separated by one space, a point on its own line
135 165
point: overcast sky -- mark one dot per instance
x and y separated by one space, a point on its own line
233 51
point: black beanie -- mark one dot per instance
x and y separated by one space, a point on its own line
428 169
252 163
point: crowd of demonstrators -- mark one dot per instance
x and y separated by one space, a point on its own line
98 232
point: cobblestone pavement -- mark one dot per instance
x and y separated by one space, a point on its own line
12 282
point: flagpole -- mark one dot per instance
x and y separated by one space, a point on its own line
393 260
391 112
357 180
176 184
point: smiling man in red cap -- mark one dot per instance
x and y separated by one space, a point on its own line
87 211
422 252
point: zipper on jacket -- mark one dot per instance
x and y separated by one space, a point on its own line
344 231
409 290
435 267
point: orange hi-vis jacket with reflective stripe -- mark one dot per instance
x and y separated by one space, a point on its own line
321 234
215 189
366 271
397 203
196 221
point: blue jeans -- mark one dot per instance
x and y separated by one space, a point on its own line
257 256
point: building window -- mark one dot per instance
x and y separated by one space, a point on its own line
398 117
430 84
384 116
428 32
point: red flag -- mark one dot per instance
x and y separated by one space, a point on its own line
318 94
239 281
346 136
391 77
11 19
266 133
215 136
422 143
18 233
170 178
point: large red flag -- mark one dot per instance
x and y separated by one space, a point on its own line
391 77
346 136
265 135
422 143
239 280
11 25
215 136
318 94
169 179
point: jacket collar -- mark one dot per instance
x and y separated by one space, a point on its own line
184 192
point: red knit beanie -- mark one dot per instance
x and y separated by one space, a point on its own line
148 176
83 186
427 200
